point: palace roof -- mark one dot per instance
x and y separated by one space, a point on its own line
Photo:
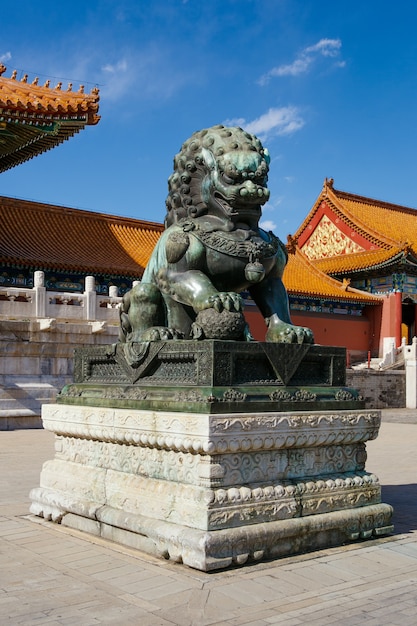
35 118
44 236
303 278
345 233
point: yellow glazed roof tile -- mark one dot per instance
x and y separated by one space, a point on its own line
355 262
34 102
41 235
391 222
303 277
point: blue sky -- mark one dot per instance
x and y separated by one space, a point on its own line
329 86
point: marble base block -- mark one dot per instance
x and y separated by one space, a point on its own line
212 490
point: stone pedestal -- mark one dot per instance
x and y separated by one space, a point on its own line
216 486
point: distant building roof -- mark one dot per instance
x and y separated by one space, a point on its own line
35 235
35 118
345 232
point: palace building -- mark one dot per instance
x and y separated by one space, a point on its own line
373 245
69 244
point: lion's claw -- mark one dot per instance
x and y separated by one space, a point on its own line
228 300
287 333
160 333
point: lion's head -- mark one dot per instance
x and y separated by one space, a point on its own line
221 172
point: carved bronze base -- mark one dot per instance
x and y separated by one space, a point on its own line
212 376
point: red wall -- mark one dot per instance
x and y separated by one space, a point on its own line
353 333
256 323
357 334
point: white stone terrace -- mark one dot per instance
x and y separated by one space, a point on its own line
39 303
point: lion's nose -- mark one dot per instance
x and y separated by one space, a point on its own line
249 189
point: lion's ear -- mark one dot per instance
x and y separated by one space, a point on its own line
176 246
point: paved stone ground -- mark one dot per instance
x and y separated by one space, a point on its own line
53 576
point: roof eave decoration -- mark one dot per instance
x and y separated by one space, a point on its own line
355 264
303 278
351 296
35 118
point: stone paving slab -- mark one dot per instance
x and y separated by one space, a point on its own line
400 416
55 576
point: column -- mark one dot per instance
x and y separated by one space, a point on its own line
398 318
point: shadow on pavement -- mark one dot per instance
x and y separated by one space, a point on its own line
404 500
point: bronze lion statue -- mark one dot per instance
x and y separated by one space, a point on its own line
213 249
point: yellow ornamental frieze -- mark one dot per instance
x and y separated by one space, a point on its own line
328 240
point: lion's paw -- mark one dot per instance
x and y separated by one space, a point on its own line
287 333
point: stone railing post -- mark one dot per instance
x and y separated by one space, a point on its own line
410 358
113 291
90 302
39 291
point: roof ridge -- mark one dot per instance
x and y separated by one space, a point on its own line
44 207
357 221
23 82
367 200
330 194
38 118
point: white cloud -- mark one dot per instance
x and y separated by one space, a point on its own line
144 75
120 66
301 65
276 121
267 225
117 80
235 121
326 47
5 57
